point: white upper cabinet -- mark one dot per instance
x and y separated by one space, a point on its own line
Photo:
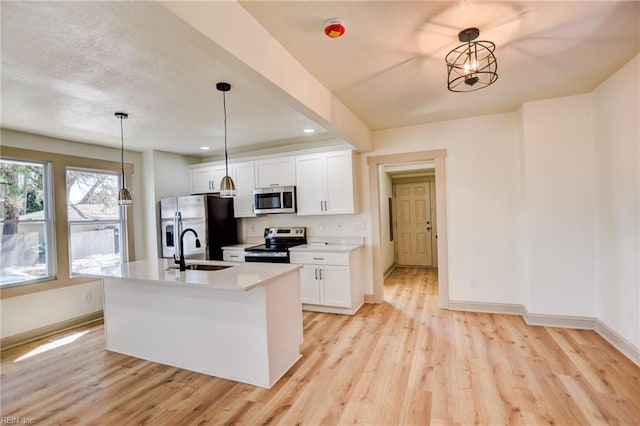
244 180
206 178
325 183
275 172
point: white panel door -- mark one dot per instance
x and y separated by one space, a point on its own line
413 224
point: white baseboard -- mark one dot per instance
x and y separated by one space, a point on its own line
618 342
488 308
544 320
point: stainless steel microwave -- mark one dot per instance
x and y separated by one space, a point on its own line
278 199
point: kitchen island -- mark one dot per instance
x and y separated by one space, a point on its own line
242 323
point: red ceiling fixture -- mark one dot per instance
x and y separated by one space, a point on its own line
334 27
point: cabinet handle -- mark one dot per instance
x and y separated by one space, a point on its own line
315 272
320 270
274 184
321 208
325 206
318 258
233 255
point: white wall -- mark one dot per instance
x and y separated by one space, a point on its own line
616 111
483 201
166 175
560 199
36 310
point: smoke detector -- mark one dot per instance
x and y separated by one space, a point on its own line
334 27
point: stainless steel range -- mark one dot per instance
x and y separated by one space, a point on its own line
277 242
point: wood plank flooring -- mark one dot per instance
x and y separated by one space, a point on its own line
403 362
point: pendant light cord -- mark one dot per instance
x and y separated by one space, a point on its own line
122 150
224 106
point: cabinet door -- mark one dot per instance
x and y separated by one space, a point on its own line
309 285
207 179
336 286
340 193
275 172
244 180
311 176
201 179
218 173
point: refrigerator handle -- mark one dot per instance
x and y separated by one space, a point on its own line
177 231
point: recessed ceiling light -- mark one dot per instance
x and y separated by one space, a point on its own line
309 130
205 148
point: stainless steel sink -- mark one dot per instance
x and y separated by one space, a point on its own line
202 267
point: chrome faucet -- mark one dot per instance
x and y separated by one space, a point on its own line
180 260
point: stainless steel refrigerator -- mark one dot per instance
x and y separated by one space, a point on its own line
209 215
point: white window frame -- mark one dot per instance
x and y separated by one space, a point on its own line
48 221
121 221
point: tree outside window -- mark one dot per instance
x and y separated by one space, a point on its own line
25 249
95 220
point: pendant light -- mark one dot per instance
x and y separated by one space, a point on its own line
227 187
124 196
472 65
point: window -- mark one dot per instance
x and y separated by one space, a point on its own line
26 248
96 223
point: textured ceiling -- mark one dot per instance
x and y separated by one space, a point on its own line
68 66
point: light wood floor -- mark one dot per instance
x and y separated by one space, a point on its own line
399 363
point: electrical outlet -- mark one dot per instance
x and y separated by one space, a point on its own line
473 284
253 228
86 297
361 226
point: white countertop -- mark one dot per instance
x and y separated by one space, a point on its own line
239 276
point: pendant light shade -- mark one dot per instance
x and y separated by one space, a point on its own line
124 196
227 187
472 65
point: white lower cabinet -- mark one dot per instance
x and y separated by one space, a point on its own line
325 285
330 282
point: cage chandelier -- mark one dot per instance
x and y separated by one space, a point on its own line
472 65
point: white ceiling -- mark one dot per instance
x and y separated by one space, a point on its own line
389 66
68 66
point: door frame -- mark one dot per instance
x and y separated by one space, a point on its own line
375 163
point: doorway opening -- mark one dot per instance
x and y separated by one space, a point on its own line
383 206
412 215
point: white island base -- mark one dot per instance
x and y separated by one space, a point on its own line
247 335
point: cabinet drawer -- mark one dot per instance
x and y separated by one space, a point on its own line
320 258
233 255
